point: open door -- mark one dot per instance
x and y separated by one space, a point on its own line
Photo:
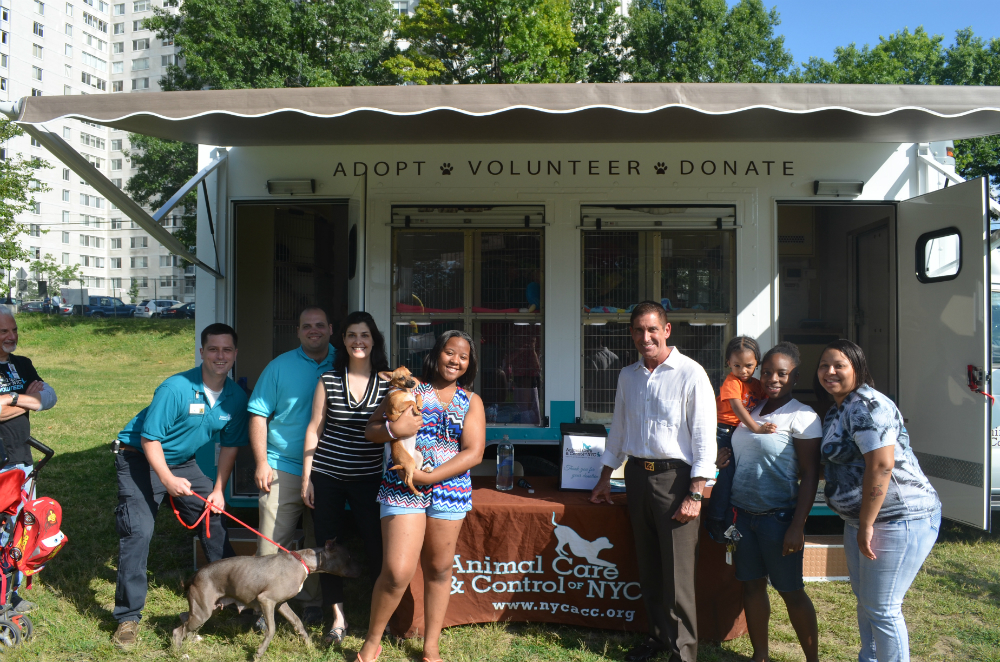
944 326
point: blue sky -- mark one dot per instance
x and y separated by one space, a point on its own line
816 27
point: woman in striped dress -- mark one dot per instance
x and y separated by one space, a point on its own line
338 465
424 526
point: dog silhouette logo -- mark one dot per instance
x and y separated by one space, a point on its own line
585 549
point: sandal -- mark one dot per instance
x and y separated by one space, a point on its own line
335 636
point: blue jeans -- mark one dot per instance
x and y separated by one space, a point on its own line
900 548
719 508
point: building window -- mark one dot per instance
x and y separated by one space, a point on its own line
140 83
99 263
502 310
116 164
65 217
117 182
36 208
67 90
65 174
68 50
91 141
92 61
34 230
36 51
3 60
116 224
139 242
36 252
138 64
4 15
116 263
65 237
116 243
142 281
116 144
401 7
4 37
139 25
65 258
166 60
140 44
118 47
689 271
141 262
117 67
95 42
35 92
65 195
116 283
67 135
142 5
36 72
119 28
119 10
3 84
117 86
168 261
39 29
39 7
69 9
93 81
68 30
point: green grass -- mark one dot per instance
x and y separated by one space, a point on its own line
105 371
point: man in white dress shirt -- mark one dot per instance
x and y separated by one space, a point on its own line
664 424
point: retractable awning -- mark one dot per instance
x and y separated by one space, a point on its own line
633 112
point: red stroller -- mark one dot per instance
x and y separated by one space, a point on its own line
33 537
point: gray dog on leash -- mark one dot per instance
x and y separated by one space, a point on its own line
261 581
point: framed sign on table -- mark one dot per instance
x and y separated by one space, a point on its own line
580 456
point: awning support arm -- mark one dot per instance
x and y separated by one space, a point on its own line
81 166
211 226
191 183
994 205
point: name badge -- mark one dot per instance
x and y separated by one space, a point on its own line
196 409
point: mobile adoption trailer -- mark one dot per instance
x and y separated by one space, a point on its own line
535 216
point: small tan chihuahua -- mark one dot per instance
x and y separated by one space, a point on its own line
401 397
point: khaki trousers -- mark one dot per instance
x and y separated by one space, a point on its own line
280 510
666 551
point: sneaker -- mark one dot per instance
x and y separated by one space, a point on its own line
127 634
22 606
312 616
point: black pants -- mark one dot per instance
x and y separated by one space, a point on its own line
666 551
329 520
140 494
719 508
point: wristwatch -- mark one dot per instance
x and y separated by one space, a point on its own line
695 496
13 399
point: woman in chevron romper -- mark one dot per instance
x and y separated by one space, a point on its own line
451 435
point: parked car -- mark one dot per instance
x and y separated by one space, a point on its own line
98 306
33 307
179 311
153 307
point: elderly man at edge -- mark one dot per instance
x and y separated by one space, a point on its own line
664 423
21 391
280 409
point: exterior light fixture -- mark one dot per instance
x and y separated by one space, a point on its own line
837 188
291 186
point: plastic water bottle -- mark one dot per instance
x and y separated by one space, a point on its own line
505 467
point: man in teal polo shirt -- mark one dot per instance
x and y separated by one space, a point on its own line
280 409
154 458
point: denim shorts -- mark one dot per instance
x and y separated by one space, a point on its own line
758 553
430 511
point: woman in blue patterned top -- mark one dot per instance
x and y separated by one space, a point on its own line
891 512
424 526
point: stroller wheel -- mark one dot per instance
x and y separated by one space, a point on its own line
24 623
10 634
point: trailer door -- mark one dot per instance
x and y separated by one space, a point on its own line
944 325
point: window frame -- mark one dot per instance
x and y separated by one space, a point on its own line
921 259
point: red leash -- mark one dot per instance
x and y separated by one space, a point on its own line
204 516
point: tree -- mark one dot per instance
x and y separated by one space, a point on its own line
598 30
18 186
55 274
164 166
133 291
487 41
232 44
683 41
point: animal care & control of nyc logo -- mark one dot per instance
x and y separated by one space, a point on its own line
576 580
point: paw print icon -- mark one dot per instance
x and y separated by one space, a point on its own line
446 168
660 168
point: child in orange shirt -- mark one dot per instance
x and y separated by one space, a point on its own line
739 394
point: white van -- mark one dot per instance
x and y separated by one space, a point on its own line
535 216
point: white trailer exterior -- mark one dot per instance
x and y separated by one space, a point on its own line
799 213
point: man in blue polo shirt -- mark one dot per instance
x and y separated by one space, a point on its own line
154 458
280 409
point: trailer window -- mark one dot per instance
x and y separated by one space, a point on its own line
939 255
488 283
689 271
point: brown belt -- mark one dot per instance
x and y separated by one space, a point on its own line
659 465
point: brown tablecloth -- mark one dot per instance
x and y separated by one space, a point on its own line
554 557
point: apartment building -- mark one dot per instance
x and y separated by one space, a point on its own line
88 47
